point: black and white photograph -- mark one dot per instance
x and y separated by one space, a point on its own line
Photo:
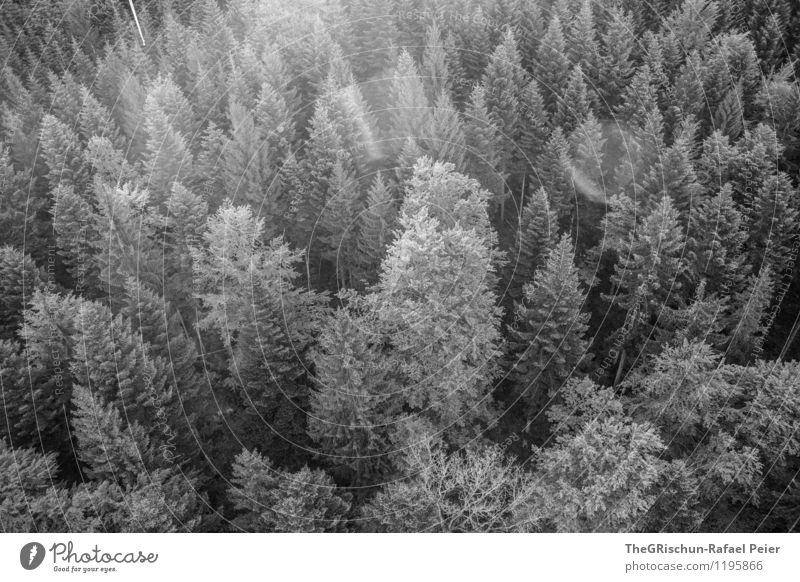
399 266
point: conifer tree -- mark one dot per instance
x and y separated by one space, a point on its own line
484 144
536 236
355 397
548 336
339 224
18 209
435 71
504 80
442 264
716 242
19 278
168 158
249 167
551 67
554 172
534 126
775 225
77 234
374 34
375 229
673 174
746 322
572 108
583 49
604 478
530 31
410 109
274 501
616 61
648 275
447 142
39 387
63 155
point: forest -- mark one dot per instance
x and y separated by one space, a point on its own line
399 266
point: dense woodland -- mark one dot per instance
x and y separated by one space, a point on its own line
399 265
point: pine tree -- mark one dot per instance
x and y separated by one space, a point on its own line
271 500
548 336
